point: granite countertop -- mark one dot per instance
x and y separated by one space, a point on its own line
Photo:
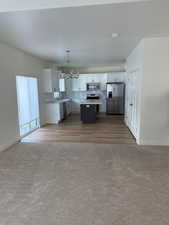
89 102
58 101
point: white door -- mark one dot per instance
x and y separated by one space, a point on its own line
132 102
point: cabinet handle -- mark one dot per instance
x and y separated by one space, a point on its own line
131 104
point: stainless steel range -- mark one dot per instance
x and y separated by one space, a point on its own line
93 97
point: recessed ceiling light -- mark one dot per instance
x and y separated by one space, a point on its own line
115 35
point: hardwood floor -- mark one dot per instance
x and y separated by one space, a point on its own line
107 129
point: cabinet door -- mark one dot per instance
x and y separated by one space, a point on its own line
82 83
47 80
50 80
68 84
103 81
52 113
97 78
89 78
55 81
76 84
116 77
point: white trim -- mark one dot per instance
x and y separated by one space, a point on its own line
56 122
17 5
154 142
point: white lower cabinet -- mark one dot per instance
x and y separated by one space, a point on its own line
54 113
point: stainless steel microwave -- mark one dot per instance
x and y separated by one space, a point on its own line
93 86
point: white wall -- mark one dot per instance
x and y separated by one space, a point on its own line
155 93
13 62
152 57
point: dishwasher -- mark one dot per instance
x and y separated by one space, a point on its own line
64 110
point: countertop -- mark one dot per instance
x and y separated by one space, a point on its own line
58 101
89 102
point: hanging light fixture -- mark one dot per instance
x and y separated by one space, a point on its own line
69 73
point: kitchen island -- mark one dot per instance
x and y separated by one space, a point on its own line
88 110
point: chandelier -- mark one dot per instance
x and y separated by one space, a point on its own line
68 73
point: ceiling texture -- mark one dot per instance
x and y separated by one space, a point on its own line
86 31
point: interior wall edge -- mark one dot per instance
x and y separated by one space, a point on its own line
5 146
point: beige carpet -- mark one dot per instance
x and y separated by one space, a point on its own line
84 184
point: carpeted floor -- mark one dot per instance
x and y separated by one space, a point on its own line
84 184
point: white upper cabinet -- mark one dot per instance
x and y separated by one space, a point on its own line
79 84
50 80
103 81
91 78
116 77
82 82
75 84
102 78
68 84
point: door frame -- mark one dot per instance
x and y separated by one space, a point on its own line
28 76
131 113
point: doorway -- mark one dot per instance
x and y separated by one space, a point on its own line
28 104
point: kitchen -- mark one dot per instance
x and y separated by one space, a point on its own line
88 107
63 97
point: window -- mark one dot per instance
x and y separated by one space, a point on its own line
28 104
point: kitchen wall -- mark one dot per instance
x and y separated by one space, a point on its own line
14 62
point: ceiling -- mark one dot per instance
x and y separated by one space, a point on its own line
18 5
86 31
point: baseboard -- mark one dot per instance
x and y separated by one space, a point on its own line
51 123
9 144
154 142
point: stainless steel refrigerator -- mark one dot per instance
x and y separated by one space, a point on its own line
115 98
